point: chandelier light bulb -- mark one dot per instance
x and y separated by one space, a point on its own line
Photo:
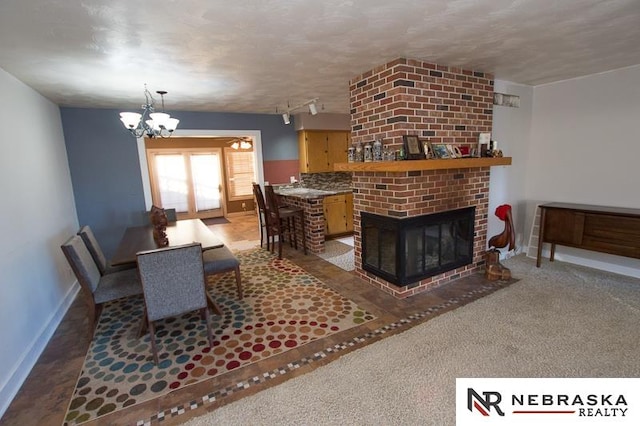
130 119
160 118
171 124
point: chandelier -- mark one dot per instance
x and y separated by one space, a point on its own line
150 123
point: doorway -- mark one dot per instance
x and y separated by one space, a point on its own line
191 138
189 180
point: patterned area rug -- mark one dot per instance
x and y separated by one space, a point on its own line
283 308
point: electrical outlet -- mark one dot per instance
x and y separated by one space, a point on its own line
244 206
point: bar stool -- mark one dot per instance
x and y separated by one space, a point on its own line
262 214
281 221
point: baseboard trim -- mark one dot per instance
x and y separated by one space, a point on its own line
29 358
244 213
592 263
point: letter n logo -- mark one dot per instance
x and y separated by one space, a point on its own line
483 405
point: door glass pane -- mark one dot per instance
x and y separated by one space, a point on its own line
172 182
205 170
413 252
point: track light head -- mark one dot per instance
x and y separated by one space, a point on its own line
313 109
286 118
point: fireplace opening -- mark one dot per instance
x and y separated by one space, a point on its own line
403 251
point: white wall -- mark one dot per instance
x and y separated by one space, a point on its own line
38 214
511 129
585 148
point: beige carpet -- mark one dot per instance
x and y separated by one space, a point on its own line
559 321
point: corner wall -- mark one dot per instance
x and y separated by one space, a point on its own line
512 131
38 214
409 97
584 149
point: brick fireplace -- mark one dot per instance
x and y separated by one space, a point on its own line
440 103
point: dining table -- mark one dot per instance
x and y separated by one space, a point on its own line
140 238
187 231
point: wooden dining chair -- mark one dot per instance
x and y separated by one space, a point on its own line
262 214
98 289
173 283
97 254
282 222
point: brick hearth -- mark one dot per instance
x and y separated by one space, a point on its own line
440 103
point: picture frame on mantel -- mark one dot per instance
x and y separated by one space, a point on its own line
440 151
412 147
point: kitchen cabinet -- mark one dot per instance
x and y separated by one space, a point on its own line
319 150
338 214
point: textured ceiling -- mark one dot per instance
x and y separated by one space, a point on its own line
254 56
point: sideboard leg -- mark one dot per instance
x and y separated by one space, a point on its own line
540 236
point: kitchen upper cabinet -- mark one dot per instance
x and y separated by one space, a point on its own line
319 150
338 214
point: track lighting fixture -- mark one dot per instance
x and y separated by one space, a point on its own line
313 109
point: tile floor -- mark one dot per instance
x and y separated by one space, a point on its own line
44 397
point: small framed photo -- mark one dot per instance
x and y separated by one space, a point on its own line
440 150
412 147
427 148
454 151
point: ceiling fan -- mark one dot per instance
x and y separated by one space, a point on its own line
241 143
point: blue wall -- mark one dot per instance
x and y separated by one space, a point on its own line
105 168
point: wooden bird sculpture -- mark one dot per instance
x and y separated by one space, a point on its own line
508 236
494 270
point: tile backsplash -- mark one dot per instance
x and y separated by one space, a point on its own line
338 181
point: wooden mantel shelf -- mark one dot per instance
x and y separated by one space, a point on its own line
415 165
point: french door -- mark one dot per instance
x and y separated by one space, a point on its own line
188 180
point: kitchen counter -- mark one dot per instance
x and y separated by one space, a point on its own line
311 201
307 193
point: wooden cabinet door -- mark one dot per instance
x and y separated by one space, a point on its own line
316 144
349 214
337 147
563 227
335 215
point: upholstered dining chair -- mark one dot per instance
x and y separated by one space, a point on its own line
173 283
282 222
98 289
219 260
98 255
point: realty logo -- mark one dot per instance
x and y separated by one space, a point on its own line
484 405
